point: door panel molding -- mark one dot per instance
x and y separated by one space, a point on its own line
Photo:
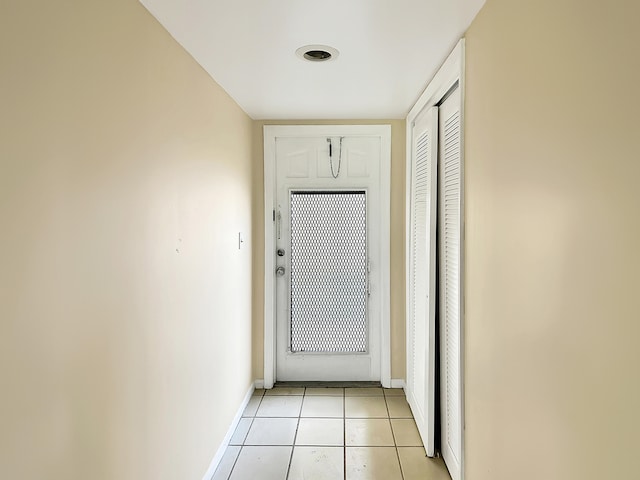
271 133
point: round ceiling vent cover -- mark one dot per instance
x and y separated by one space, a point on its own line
317 53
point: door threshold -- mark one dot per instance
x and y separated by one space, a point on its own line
329 384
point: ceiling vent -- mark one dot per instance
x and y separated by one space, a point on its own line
317 53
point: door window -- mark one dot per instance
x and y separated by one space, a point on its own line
328 294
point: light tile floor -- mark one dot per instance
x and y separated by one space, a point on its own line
301 433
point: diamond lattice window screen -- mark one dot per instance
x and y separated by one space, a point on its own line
328 272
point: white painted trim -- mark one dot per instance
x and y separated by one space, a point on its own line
398 383
269 260
385 254
270 134
451 72
227 438
258 384
462 87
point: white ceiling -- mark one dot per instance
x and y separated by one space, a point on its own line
389 50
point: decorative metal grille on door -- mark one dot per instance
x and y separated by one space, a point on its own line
328 272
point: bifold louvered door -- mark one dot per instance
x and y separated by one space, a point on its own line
422 278
449 233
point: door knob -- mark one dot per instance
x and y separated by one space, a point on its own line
280 271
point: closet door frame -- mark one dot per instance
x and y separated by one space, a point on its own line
450 76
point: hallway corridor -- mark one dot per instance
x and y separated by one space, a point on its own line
297 433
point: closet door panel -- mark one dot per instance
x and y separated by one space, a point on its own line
421 325
450 188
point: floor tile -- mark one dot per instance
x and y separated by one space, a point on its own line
322 407
280 406
252 407
393 392
317 463
285 391
417 466
377 420
365 407
272 431
241 431
366 391
226 464
398 407
365 432
372 463
264 463
320 431
406 432
330 391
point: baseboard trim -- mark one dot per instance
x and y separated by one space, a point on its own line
227 438
259 383
398 383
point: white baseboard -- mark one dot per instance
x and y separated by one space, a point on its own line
398 383
259 383
227 438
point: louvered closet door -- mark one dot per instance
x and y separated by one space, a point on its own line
421 328
450 184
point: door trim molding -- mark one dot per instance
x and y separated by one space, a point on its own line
271 132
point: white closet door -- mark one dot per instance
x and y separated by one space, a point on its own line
421 331
450 188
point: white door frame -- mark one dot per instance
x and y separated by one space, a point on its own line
452 72
271 132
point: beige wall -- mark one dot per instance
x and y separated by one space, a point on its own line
125 177
552 171
397 239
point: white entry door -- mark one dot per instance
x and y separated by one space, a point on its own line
328 272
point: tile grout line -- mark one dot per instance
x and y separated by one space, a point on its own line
295 435
344 434
393 435
234 462
253 417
